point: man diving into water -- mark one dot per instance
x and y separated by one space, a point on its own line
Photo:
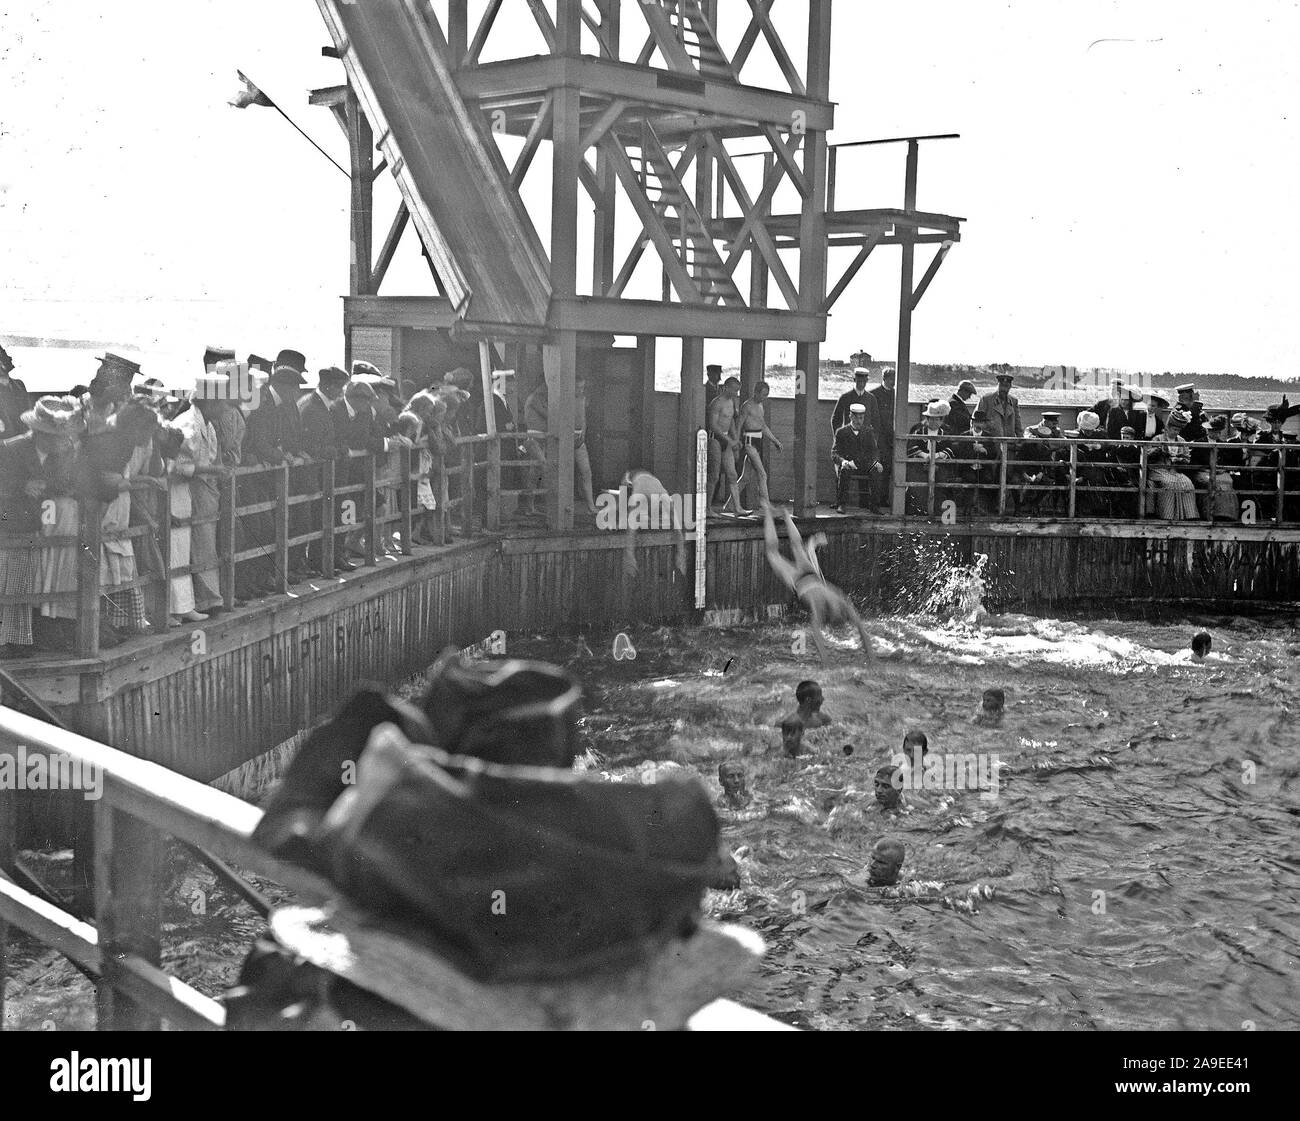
654 496
803 575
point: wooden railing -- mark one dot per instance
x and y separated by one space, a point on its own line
258 519
140 804
1018 483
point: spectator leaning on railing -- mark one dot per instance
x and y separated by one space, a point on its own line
56 424
318 443
1174 491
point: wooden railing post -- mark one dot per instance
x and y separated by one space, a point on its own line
127 911
1212 487
281 515
442 523
493 520
327 538
158 597
89 528
228 537
404 498
1142 481
930 474
370 505
467 490
1281 482
1074 472
1002 478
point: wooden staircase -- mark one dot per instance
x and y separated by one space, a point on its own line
693 239
695 33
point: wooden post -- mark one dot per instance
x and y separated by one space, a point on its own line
930 473
903 367
1142 481
753 352
228 537
361 152
1002 478
1074 468
492 515
812 265
406 525
1212 486
127 910
560 360
442 520
602 243
369 505
1281 482
467 490
163 590
642 452
89 522
690 413
327 539
282 527
457 32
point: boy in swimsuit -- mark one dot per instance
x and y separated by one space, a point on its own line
722 444
753 430
825 602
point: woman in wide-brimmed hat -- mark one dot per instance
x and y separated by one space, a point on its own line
1175 493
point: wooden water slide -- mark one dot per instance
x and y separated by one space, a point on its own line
481 242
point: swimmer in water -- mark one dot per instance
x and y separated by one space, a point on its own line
808 695
654 497
1201 644
827 605
888 785
792 727
735 787
886 862
991 708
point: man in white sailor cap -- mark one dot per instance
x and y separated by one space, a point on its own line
856 458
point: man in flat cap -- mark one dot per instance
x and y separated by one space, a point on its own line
1002 409
881 421
858 395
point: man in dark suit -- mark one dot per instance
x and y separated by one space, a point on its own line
856 458
882 424
14 399
274 437
318 442
959 406
858 395
358 429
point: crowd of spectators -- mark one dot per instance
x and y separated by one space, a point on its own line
1198 466
125 445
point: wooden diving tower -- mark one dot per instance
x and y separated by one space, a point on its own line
651 120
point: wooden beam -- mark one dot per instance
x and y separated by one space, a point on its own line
903 365
541 125
941 253
360 147
779 52
849 273
690 412
389 247
482 32
652 317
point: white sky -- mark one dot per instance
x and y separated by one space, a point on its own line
1126 200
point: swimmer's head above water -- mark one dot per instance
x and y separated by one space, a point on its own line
992 706
735 789
886 861
792 727
887 787
1201 644
915 738
808 695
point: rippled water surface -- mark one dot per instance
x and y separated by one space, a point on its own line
1138 868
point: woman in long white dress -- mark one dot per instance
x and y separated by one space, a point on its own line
205 501
179 459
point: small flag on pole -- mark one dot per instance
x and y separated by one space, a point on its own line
249 95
